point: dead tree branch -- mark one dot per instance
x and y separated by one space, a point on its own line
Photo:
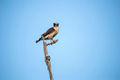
47 58
53 42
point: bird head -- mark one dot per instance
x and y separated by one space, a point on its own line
56 24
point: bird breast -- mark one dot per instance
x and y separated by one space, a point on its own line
56 28
51 35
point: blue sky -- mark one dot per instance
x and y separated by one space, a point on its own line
88 46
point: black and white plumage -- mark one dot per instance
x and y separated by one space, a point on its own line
50 33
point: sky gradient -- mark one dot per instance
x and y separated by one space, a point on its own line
88 46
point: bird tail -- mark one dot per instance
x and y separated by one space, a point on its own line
38 40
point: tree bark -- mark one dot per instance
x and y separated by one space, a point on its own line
47 60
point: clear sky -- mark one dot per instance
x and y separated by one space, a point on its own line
88 46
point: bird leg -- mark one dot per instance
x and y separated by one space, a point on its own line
51 40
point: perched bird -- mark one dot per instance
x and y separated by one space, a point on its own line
50 33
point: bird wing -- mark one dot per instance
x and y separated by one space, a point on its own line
48 31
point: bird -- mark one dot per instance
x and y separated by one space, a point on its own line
50 33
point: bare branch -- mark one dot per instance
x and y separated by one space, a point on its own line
53 42
47 60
